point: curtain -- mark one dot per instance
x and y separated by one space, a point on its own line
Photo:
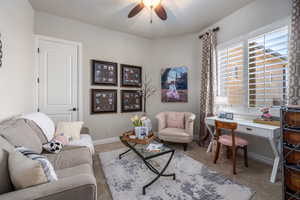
294 58
208 80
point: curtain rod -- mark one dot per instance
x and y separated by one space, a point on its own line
214 30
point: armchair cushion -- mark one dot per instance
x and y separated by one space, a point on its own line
175 135
175 120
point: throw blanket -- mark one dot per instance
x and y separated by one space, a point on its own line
86 141
44 122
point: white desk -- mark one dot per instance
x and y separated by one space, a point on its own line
272 133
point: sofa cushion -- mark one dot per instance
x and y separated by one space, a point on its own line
175 120
70 156
18 133
39 132
25 172
73 171
44 122
5 182
175 135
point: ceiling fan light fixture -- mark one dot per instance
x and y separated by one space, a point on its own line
151 3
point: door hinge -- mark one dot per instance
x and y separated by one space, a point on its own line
38 50
38 80
38 110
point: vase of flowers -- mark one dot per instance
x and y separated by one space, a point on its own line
140 129
136 122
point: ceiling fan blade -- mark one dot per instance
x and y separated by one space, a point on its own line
161 12
138 8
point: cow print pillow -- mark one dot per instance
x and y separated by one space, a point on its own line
53 146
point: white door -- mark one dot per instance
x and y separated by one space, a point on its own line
58 79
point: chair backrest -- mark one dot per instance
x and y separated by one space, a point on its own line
232 126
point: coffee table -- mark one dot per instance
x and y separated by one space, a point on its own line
145 155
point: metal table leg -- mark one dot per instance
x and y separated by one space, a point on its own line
212 133
276 160
120 156
159 174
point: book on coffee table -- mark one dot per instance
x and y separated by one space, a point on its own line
154 147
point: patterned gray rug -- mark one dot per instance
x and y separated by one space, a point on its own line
194 181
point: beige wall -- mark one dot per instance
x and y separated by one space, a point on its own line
102 44
170 52
17 72
186 50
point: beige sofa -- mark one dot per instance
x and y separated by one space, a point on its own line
168 131
73 165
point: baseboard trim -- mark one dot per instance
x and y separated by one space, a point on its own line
106 141
261 158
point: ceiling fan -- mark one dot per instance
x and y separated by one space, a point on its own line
153 5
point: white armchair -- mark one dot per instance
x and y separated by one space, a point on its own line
177 127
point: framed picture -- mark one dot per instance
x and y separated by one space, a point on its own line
229 116
131 101
131 76
174 85
103 101
104 73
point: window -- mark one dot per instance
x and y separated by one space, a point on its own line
267 75
257 64
231 67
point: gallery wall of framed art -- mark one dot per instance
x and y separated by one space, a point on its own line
104 73
131 101
104 101
131 76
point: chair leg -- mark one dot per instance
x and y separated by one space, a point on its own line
185 146
234 151
228 152
245 156
217 152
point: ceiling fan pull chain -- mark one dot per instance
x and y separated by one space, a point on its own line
151 20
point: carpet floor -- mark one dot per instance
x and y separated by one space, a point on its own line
194 181
255 177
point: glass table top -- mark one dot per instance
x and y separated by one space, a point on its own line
144 149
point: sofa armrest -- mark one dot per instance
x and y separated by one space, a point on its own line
78 187
189 123
85 130
161 121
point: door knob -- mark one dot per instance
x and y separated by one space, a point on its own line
74 109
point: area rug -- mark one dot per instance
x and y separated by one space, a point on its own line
194 181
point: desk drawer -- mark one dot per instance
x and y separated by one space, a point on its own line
253 131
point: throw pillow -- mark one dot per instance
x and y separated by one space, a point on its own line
53 146
25 172
28 168
20 134
63 139
71 129
175 120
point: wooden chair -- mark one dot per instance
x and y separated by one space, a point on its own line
230 141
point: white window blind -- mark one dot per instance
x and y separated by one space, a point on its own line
267 68
230 72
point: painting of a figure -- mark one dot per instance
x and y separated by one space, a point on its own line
174 84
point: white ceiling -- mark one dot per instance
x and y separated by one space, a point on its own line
184 16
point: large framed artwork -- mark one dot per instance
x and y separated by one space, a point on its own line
131 101
174 85
104 73
103 101
131 76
